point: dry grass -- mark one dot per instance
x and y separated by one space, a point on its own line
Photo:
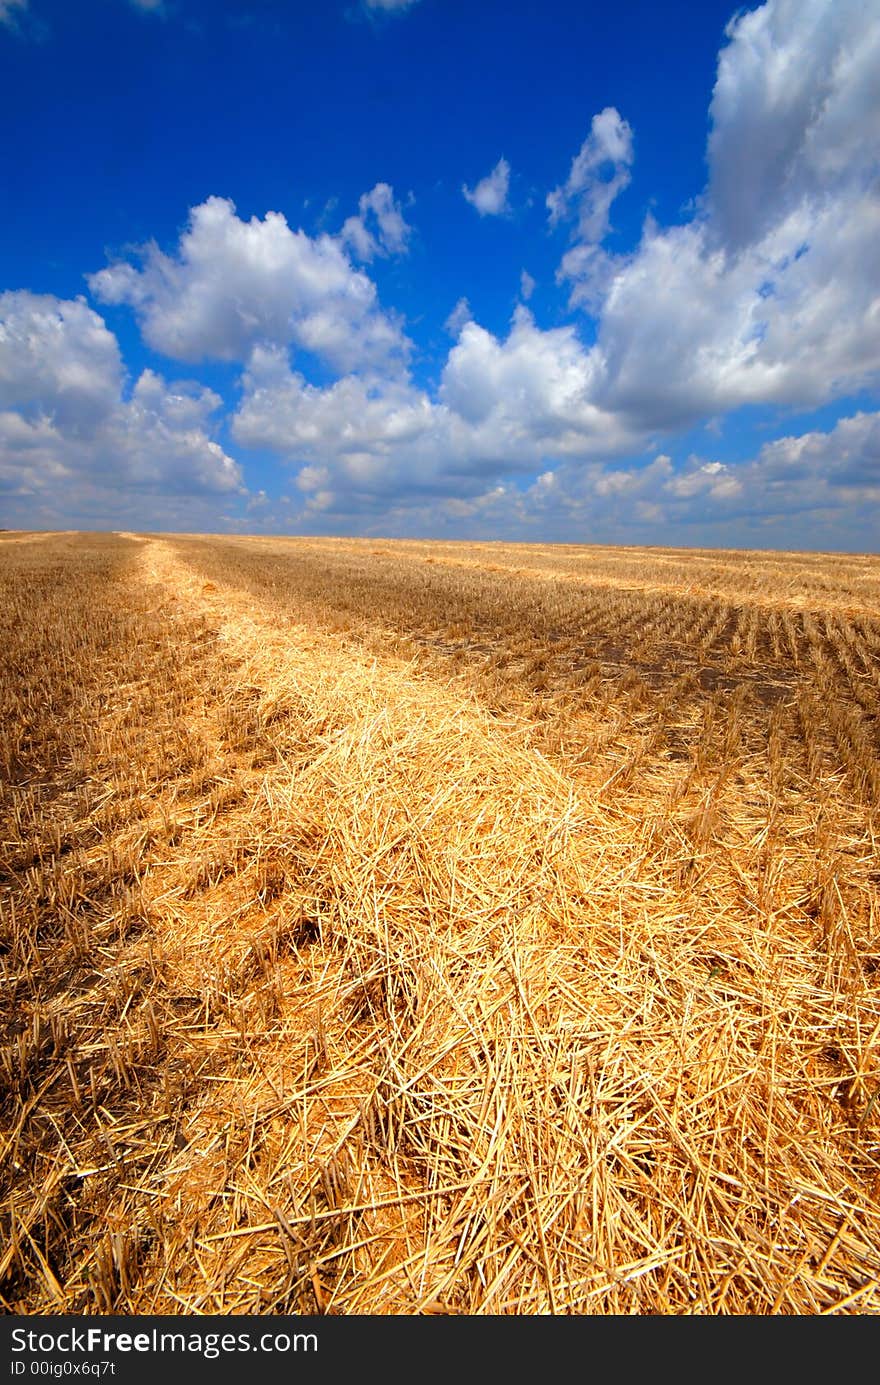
420 928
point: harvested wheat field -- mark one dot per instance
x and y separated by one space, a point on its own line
399 928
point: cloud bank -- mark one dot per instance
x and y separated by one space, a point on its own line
69 429
767 300
767 295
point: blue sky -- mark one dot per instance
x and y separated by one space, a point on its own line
568 272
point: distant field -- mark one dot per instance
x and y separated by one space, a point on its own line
399 927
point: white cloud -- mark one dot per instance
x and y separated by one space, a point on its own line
374 447
460 314
531 392
66 424
771 295
599 172
234 284
357 426
712 479
526 285
813 490
380 228
626 482
57 360
501 404
311 479
688 330
845 461
490 194
832 476
816 478
590 270
794 113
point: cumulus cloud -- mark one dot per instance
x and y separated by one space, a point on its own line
379 228
354 417
774 305
374 447
770 294
66 423
808 483
686 331
490 194
359 443
501 404
526 285
57 360
234 284
794 113
505 402
532 391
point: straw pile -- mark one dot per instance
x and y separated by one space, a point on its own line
352 974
